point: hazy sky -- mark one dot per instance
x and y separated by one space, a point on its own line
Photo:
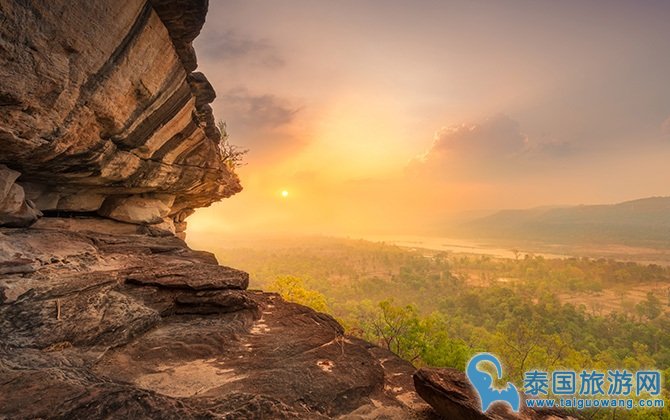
390 115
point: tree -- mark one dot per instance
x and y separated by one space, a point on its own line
397 327
650 307
293 289
233 155
438 349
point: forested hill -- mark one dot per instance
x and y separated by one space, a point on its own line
643 222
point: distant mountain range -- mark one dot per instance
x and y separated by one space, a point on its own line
643 222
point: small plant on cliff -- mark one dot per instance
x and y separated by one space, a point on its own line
233 155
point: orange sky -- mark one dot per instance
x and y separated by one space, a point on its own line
399 116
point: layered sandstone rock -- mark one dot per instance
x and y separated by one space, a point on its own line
100 109
99 321
15 210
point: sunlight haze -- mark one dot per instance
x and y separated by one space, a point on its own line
390 116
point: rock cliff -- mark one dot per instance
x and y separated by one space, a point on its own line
101 111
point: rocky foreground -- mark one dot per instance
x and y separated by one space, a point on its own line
101 319
107 132
125 325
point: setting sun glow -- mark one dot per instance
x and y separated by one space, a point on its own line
432 128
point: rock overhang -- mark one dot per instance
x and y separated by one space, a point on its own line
103 112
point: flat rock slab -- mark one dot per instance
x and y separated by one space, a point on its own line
286 351
191 276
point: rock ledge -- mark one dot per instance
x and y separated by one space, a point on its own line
126 325
100 111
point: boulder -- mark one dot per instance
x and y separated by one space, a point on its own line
81 202
452 396
42 196
138 209
165 227
190 276
15 210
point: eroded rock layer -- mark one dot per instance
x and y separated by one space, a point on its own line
124 325
100 109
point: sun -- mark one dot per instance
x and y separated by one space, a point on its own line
284 193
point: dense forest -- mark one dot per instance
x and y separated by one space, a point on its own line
438 309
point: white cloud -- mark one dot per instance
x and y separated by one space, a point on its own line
492 149
497 136
471 151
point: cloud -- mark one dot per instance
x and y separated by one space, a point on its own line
470 150
494 148
257 111
234 47
266 124
497 136
260 121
